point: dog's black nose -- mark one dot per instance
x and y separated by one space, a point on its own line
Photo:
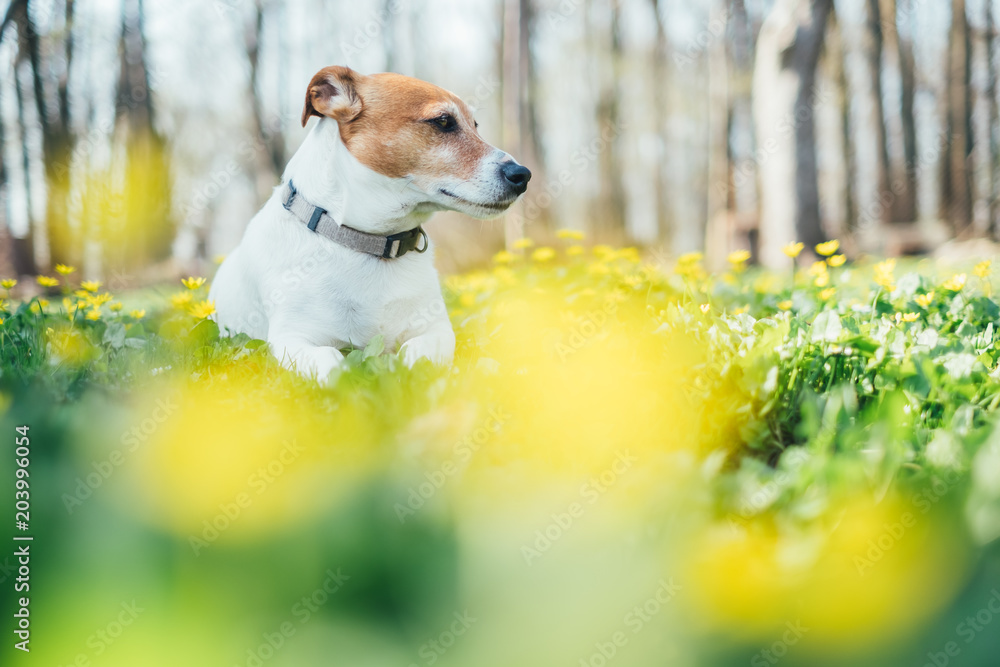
517 176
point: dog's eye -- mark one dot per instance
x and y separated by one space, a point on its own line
445 122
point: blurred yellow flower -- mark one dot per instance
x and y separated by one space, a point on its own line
924 300
543 254
522 243
203 309
884 274
91 285
690 258
93 314
193 283
180 300
785 305
574 250
8 283
836 260
503 257
603 251
37 306
573 234
705 307
818 269
738 257
982 269
955 283
911 317
47 281
138 314
99 299
828 293
793 249
63 269
116 307
828 248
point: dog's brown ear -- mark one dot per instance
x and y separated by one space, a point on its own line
333 92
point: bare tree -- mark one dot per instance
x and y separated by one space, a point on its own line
271 133
957 187
788 53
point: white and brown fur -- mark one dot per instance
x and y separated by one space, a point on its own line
388 151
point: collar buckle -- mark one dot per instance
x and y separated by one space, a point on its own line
397 245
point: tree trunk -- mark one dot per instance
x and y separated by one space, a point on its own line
907 206
269 131
788 51
897 96
957 186
983 121
717 205
512 119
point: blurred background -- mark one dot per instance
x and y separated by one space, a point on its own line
136 132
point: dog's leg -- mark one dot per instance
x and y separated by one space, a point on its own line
305 358
437 345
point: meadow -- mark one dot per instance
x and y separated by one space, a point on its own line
631 462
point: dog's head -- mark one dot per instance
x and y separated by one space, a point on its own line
405 128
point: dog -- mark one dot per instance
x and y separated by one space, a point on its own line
338 255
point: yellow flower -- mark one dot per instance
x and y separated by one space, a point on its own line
818 269
883 274
138 314
573 234
738 257
99 299
822 281
603 251
47 281
91 285
37 306
543 254
203 309
193 283
793 250
785 305
982 269
574 250
93 314
631 254
503 257
180 300
828 248
955 283
924 300
8 283
690 258
522 243
64 270
910 317
828 293
836 260
116 307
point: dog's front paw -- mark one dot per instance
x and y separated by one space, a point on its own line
438 349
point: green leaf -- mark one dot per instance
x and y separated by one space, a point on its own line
826 327
114 335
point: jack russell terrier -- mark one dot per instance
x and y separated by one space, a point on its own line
338 254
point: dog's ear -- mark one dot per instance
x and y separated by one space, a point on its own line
333 92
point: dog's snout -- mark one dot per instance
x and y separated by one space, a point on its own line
516 176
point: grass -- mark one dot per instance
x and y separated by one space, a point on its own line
816 446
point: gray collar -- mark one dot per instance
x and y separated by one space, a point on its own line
319 221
